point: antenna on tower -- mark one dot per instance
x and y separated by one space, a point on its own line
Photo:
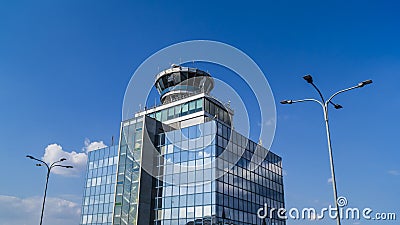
112 140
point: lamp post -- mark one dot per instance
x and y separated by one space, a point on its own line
325 105
49 167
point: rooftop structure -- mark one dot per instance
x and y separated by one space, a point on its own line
180 82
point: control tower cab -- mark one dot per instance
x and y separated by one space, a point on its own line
180 82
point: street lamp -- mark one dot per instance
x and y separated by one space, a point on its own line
49 167
324 105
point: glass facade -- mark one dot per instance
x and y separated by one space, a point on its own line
215 110
203 104
178 110
209 174
126 198
248 176
98 200
185 187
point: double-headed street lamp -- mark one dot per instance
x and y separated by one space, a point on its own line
49 167
325 105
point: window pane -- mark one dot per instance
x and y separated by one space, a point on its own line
164 115
185 108
207 210
199 105
158 116
199 211
178 110
192 106
212 108
171 113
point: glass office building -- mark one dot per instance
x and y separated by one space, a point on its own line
98 199
181 163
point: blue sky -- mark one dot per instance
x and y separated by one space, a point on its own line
64 67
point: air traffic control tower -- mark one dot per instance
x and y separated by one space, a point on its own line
182 163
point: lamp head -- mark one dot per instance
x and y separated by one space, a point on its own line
62 159
337 106
69 167
366 82
38 164
29 156
308 78
284 102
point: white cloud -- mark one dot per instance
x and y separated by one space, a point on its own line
394 172
90 146
330 180
26 211
78 160
55 152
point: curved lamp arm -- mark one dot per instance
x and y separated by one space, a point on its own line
63 166
360 85
339 92
302 100
319 92
31 157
